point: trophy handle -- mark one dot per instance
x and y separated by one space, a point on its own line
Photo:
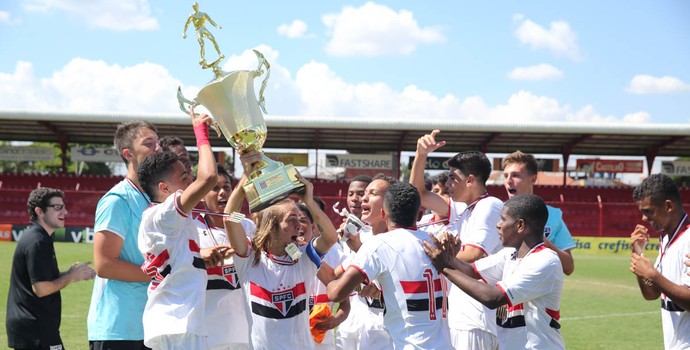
181 100
259 71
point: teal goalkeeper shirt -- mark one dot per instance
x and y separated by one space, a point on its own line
556 230
117 307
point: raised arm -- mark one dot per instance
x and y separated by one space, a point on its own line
425 145
206 169
235 231
328 235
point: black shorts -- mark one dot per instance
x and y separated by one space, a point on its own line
41 347
117 345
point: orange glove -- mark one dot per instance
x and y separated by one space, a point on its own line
317 313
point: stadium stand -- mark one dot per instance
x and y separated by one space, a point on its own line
615 216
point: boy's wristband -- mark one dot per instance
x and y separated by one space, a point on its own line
201 134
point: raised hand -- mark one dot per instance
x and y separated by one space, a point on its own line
427 143
199 119
249 159
308 194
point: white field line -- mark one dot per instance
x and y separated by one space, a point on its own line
623 286
577 318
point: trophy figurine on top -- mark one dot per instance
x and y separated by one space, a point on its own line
236 113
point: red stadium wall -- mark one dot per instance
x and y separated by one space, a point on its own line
588 211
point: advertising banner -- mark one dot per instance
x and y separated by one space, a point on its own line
360 161
296 159
610 166
94 154
676 168
72 234
26 154
5 232
612 245
432 163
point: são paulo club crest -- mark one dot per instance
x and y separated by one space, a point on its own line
280 304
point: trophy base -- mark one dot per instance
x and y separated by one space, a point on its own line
272 186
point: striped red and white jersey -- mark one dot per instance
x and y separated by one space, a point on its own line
169 241
224 300
675 321
276 293
365 322
533 287
411 286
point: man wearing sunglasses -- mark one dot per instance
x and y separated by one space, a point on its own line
34 305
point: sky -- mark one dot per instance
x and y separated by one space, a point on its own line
572 61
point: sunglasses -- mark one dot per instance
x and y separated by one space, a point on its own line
57 207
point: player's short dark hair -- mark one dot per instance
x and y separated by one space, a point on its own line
472 163
362 178
440 179
529 208
518 157
380 176
659 188
155 168
168 142
40 198
126 133
402 203
303 208
224 172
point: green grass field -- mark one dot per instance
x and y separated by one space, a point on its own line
601 307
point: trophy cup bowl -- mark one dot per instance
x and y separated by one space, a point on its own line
232 103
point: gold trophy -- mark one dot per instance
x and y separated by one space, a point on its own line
236 113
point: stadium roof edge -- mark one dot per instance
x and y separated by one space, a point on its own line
371 135
368 123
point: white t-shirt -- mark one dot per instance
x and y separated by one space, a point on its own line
226 319
411 287
318 294
276 292
168 240
670 262
533 287
475 224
